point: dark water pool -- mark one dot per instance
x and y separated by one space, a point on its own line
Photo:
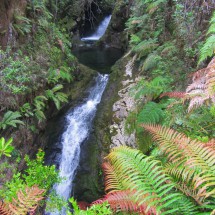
98 58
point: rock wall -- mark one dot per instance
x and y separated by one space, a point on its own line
121 109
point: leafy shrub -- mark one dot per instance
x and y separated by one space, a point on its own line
35 174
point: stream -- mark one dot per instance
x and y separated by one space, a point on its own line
73 128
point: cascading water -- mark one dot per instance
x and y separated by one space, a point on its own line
77 129
100 31
79 121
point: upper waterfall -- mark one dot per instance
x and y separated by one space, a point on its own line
100 30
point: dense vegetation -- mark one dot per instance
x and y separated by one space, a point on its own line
173 172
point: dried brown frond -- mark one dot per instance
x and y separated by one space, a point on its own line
125 201
174 94
26 201
4 209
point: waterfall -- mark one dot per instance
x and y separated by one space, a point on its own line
100 30
79 121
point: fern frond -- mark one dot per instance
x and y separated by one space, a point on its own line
196 101
192 153
210 81
186 179
151 113
112 182
4 209
151 61
174 94
125 201
11 118
145 47
145 175
198 74
211 144
154 6
26 201
208 48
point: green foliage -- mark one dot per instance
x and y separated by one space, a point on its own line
134 39
55 203
39 103
209 47
35 174
151 62
190 163
151 89
56 96
151 113
99 209
16 76
197 125
153 6
145 47
5 147
22 24
10 118
25 110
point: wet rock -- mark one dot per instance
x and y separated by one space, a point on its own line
122 108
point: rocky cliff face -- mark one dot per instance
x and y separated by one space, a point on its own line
121 109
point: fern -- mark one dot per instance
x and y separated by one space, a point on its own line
192 154
208 48
56 96
27 201
145 47
201 91
112 182
39 103
174 94
151 89
150 62
154 6
125 201
151 113
146 176
10 118
4 209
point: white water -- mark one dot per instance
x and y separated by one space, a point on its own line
100 31
79 121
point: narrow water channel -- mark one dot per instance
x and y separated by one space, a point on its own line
77 121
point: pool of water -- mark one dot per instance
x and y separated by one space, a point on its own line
98 58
